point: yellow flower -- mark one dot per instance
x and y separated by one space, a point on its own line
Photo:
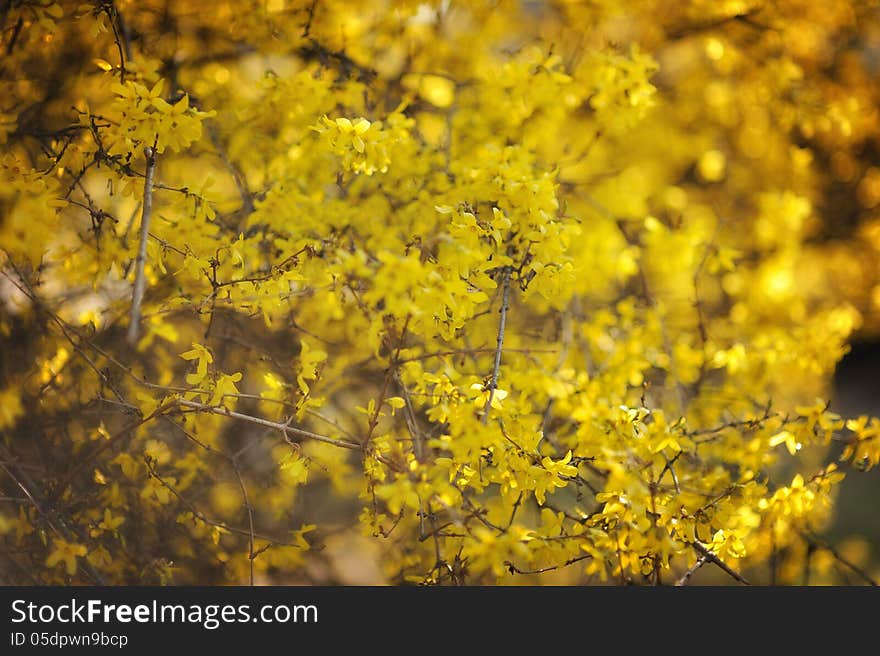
204 357
789 439
65 553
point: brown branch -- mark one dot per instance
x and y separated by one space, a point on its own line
389 375
754 422
315 51
139 280
688 574
744 17
513 569
250 515
471 352
502 323
409 414
15 32
247 199
120 36
307 28
285 428
715 560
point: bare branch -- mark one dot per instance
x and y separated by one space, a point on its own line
250 515
283 428
505 301
688 574
513 569
139 280
715 560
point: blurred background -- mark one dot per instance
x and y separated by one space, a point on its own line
856 525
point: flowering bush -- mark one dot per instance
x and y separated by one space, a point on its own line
483 292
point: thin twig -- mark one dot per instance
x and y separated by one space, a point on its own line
250 515
688 574
513 569
139 280
120 36
715 560
247 200
471 352
389 374
283 428
124 31
505 301
817 543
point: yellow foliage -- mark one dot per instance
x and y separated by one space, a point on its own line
503 288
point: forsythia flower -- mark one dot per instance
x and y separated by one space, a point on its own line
639 265
363 146
147 119
65 553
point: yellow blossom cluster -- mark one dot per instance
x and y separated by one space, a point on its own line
507 291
